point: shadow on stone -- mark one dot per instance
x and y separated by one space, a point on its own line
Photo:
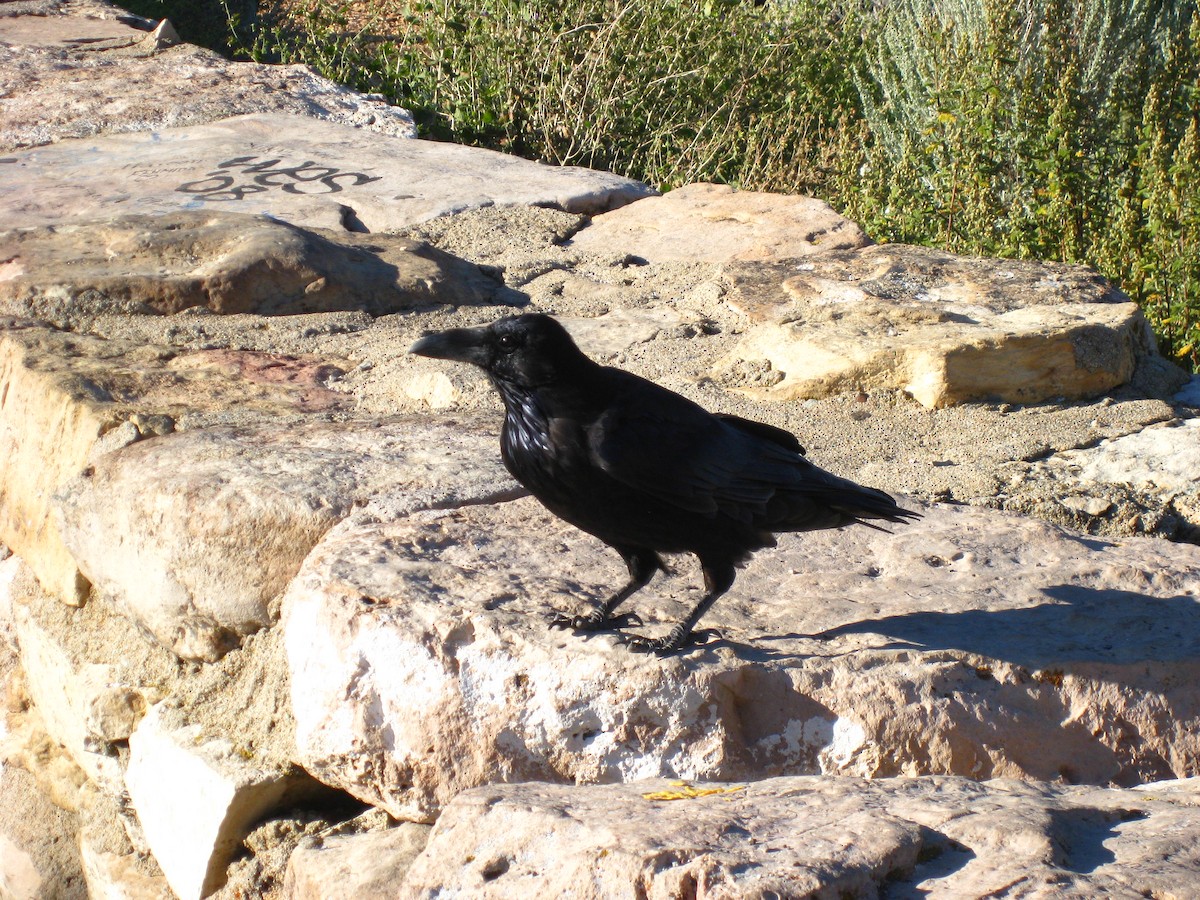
1081 625
1079 836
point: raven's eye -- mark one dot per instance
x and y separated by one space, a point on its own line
508 342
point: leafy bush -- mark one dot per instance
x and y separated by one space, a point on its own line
1045 128
1036 128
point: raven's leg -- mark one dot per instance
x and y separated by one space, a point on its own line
718 578
642 565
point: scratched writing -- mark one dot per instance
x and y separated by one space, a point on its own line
241 176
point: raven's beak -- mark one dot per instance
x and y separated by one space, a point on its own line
460 344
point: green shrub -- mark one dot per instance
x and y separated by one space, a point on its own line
1044 129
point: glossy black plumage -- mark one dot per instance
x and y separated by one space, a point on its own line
644 469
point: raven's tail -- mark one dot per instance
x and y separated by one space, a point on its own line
869 503
835 502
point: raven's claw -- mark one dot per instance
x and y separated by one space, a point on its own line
677 640
593 621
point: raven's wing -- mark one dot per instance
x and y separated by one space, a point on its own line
663 444
781 437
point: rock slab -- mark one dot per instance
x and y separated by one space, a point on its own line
971 642
300 170
196 797
814 838
224 263
945 329
86 72
196 534
715 223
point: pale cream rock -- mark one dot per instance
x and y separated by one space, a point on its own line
814 837
62 393
970 642
116 877
85 706
945 329
224 263
196 534
293 168
354 866
715 223
49 421
196 796
78 70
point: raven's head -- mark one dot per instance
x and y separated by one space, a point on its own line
523 351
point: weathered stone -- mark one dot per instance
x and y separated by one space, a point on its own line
359 865
196 534
85 706
1151 473
225 263
86 73
113 867
715 223
87 29
814 837
971 642
112 876
48 424
300 170
197 795
943 328
38 857
60 393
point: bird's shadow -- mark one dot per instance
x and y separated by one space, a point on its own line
1077 625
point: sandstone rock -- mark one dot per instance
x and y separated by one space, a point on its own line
715 223
945 329
1153 470
38 857
971 642
196 796
63 392
297 169
368 865
48 424
120 877
113 867
85 706
87 29
85 72
197 533
813 837
223 262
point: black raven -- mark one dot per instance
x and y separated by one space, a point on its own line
646 470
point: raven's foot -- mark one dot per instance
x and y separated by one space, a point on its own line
596 620
679 638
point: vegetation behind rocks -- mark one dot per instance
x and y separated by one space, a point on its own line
1034 129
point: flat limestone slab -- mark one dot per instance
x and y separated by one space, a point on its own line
972 642
69 396
196 797
715 223
815 837
945 329
70 32
223 262
298 169
196 534
78 70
